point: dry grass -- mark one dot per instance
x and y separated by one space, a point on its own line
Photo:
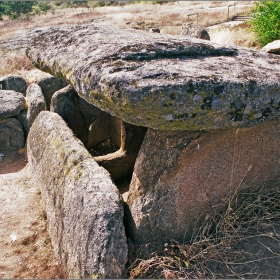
169 17
165 15
238 34
17 63
219 247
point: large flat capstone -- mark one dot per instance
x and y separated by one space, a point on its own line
84 207
162 81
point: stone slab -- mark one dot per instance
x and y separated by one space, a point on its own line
162 81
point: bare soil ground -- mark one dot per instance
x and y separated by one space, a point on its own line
26 250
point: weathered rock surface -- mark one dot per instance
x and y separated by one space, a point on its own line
162 81
78 113
11 103
22 118
36 104
129 139
99 130
11 134
49 86
195 31
89 112
178 176
273 47
84 207
65 102
15 83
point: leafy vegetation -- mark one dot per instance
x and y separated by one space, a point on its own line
41 7
266 21
14 9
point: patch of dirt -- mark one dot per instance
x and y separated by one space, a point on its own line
26 250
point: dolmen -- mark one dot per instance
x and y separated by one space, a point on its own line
206 118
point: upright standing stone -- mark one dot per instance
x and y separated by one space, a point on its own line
180 175
49 86
65 102
84 207
36 103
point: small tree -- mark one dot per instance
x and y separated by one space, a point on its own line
2 10
41 7
14 9
266 21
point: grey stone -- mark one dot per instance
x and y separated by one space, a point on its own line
89 112
15 83
273 47
65 102
22 118
99 130
36 104
11 134
154 30
149 79
49 86
195 31
11 103
180 175
128 138
84 207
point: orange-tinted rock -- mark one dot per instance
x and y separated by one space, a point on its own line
180 175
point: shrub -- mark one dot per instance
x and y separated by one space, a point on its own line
266 21
14 9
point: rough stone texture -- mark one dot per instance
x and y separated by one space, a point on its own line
22 118
273 47
99 130
11 103
15 83
65 102
89 112
194 31
49 86
84 207
36 104
179 176
162 81
128 138
11 134
77 112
